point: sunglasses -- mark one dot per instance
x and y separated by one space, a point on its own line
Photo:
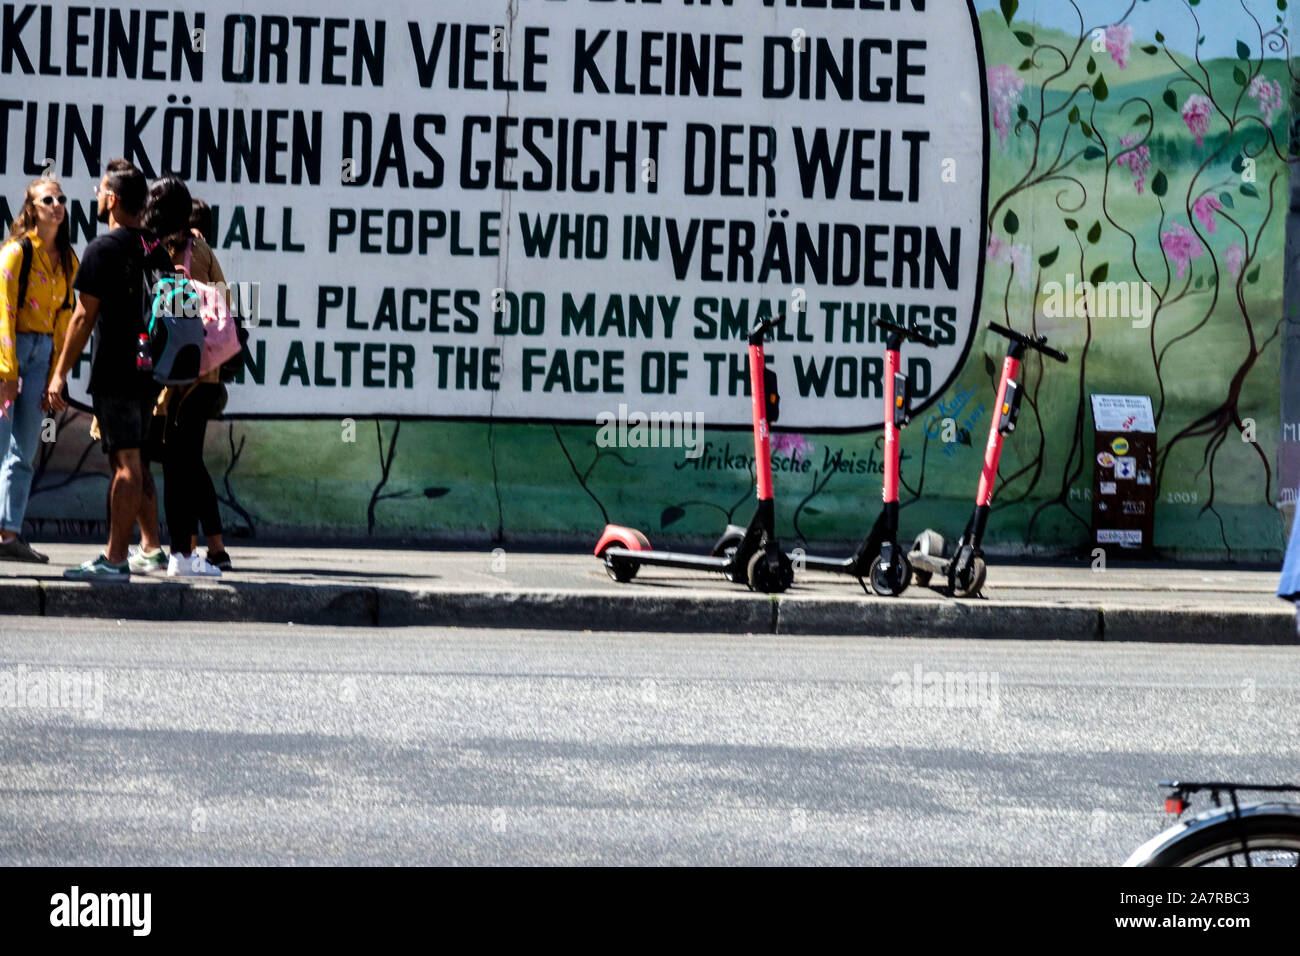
51 200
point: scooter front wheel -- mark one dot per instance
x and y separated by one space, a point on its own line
971 581
891 580
770 576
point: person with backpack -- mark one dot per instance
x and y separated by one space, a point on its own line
37 266
116 284
188 493
208 513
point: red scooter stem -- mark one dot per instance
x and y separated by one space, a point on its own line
890 488
993 450
762 441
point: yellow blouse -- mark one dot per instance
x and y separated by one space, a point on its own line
42 312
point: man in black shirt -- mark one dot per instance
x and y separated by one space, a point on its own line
109 285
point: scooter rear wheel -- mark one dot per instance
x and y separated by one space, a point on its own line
621 569
928 543
767 576
725 548
728 542
891 580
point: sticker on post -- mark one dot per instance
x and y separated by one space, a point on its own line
1119 536
1126 469
1119 446
1106 460
1108 487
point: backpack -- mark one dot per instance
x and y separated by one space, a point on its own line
170 315
221 341
25 272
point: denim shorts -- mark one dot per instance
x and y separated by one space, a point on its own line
124 419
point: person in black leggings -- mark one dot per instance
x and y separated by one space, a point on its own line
188 494
207 264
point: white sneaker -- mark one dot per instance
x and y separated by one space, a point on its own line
191 566
145 562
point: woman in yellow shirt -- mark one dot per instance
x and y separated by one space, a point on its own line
33 322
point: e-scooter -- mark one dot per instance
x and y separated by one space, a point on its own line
879 558
965 570
756 559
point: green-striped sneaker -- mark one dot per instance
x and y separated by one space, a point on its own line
146 563
100 569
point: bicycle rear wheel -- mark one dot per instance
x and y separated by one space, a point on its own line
1259 839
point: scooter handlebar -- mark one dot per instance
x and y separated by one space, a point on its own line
762 326
1037 344
907 333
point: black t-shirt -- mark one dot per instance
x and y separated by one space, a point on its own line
112 270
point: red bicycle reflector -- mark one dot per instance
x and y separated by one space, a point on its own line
1175 805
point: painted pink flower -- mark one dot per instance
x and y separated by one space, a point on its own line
1204 208
1019 256
1181 245
1233 257
1119 38
1268 93
1015 255
1196 114
1137 161
1004 93
792 444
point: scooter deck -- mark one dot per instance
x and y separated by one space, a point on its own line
674 559
851 565
928 562
858 564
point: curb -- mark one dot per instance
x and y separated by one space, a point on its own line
1201 626
641 612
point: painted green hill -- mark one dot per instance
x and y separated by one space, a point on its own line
1144 74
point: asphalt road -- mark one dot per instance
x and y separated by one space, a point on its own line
259 744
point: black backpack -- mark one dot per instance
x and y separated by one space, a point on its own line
169 311
25 273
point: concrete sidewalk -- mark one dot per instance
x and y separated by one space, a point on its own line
385 587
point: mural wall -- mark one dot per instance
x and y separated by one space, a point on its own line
1137 195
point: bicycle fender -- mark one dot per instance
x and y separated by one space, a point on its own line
1195 826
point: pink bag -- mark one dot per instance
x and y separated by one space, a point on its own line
220 333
